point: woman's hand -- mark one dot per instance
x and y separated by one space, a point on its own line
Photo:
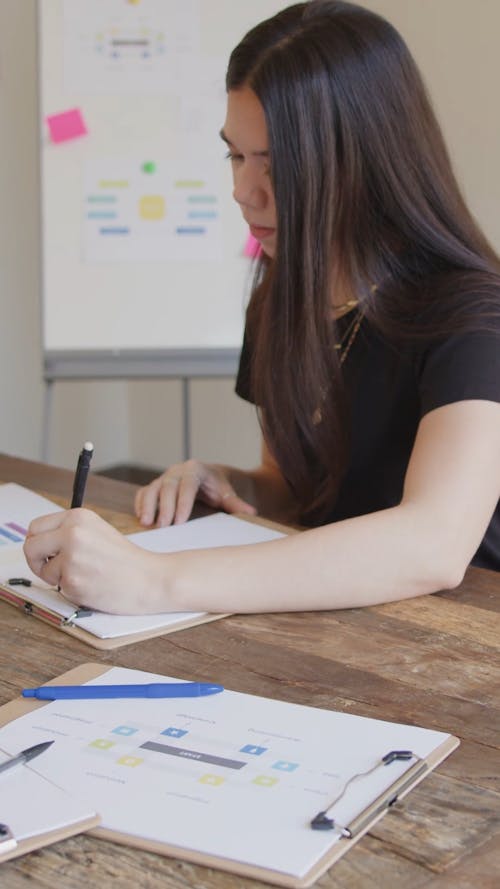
94 565
170 497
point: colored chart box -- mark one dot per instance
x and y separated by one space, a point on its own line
173 732
130 761
253 749
213 780
265 781
152 207
125 730
102 744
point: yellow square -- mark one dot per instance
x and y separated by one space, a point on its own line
131 761
152 206
265 781
102 744
214 780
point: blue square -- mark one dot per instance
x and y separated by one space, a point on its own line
173 732
285 766
126 730
253 749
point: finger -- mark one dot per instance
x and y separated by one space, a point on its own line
51 571
231 503
41 548
187 490
167 501
146 502
46 523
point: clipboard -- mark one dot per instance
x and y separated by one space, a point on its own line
22 589
10 846
373 813
31 608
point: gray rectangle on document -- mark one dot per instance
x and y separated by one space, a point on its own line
195 755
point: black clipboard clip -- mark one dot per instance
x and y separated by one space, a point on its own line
7 840
322 821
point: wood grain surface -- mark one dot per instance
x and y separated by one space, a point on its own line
432 662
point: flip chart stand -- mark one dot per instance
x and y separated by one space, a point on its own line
128 364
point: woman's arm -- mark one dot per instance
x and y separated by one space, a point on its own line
422 545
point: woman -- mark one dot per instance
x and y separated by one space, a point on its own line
371 349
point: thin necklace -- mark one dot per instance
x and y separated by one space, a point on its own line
344 309
348 337
352 336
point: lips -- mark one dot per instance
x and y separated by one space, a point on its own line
260 232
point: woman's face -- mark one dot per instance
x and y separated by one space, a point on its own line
245 133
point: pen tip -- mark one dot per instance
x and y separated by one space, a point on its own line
88 446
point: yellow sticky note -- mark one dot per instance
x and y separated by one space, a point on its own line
152 206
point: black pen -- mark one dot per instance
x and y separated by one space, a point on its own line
82 471
25 756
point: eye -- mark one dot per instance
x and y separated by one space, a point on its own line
230 155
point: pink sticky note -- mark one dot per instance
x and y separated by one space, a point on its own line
66 125
252 247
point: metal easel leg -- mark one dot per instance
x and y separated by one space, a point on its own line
186 419
47 420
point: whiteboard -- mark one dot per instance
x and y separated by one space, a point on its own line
142 244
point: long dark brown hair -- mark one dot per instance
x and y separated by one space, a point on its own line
365 194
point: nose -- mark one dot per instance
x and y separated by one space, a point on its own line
247 190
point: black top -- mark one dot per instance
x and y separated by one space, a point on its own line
390 390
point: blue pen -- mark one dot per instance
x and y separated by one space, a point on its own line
153 690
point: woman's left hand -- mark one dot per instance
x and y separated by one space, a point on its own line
93 564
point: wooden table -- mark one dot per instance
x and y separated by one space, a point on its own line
433 662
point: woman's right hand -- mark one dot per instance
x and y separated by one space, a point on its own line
170 498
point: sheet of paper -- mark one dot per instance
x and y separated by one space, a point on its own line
231 775
31 804
119 47
18 506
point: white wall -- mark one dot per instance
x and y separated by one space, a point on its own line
456 45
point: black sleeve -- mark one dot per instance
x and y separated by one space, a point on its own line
464 366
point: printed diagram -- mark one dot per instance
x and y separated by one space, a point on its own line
123 47
241 764
143 210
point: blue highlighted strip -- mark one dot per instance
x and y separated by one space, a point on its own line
191 230
14 538
109 230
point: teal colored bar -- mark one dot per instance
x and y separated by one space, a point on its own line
202 199
101 214
101 199
199 214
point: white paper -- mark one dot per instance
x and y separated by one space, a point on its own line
117 47
235 776
31 804
20 506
